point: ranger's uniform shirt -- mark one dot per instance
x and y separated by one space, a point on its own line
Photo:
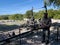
45 22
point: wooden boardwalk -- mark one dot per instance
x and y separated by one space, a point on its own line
35 38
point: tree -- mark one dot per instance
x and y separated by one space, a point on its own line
28 14
55 2
51 13
39 14
16 17
1 18
5 17
56 17
20 17
12 17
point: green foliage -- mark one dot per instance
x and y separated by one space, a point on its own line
39 14
16 17
5 17
1 17
56 17
55 2
51 13
28 14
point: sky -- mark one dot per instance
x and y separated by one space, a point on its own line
20 6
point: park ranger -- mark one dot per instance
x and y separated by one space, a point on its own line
45 25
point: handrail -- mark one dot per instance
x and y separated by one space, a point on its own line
19 35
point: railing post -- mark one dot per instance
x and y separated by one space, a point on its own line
57 33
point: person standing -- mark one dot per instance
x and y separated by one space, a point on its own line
45 24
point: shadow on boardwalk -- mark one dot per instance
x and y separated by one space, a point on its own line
36 38
8 27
